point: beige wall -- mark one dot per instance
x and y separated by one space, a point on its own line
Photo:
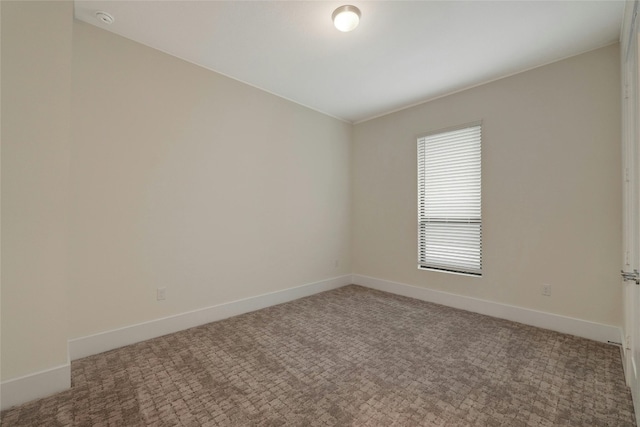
185 179
551 189
36 70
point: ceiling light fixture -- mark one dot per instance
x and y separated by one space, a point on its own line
104 17
346 18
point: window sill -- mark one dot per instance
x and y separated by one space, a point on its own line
459 273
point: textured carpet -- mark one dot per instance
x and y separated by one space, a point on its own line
348 357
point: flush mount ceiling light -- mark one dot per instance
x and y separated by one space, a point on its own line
346 18
104 17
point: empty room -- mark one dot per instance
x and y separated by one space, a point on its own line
318 213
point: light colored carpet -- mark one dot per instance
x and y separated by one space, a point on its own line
348 357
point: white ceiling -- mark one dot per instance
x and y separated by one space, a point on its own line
403 53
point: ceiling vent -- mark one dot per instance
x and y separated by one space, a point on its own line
104 17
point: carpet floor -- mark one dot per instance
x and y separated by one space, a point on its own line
347 357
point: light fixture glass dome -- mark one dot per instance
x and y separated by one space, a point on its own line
346 18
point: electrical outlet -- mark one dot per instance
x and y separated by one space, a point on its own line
546 290
336 263
161 294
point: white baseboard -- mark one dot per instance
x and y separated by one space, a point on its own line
541 319
109 340
40 384
34 386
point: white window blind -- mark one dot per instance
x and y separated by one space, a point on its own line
449 200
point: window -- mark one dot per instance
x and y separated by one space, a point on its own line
449 200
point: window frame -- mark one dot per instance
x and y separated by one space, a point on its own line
422 243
